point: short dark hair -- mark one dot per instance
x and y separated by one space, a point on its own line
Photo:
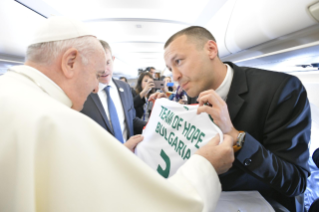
105 45
138 87
125 79
200 34
149 68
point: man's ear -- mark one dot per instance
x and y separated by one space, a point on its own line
113 58
69 61
212 49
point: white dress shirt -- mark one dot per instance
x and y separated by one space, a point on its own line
117 102
224 88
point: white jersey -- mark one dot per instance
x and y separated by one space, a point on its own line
173 134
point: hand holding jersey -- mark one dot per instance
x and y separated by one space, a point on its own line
218 110
175 132
211 103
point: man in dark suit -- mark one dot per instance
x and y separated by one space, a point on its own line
97 105
267 114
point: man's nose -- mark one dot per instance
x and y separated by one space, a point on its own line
176 74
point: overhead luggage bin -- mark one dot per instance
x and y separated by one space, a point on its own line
314 10
255 22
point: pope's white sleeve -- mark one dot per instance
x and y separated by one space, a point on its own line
57 167
197 177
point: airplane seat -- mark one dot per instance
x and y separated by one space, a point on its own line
314 206
276 205
315 157
299 202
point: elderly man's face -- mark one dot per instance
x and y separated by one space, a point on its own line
87 81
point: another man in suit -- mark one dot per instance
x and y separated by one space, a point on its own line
267 114
124 79
97 105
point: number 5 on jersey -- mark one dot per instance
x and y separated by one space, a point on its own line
165 172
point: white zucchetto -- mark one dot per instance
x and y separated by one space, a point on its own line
60 28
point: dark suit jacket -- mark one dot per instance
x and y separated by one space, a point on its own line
138 104
273 109
94 109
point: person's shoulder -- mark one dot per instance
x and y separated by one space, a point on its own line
122 84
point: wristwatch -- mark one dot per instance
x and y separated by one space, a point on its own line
240 141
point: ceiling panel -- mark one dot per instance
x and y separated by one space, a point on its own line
188 10
143 56
127 31
144 39
138 47
138 29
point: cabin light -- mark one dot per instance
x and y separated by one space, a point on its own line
138 26
314 10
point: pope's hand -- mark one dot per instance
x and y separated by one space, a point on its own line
221 156
133 141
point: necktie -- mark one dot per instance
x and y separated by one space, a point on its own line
113 116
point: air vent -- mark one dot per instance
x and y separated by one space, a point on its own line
312 65
315 65
304 65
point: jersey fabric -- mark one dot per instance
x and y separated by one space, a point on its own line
173 134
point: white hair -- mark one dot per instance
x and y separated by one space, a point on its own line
47 53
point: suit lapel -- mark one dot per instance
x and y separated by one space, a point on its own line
121 92
99 105
238 86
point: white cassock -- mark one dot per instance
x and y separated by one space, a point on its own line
55 159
